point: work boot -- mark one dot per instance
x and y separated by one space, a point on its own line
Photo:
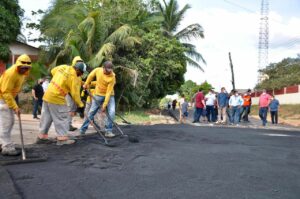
109 134
9 150
64 142
72 128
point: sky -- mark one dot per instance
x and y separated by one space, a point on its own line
231 26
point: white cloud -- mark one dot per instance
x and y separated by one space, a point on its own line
28 6
236 32
226 31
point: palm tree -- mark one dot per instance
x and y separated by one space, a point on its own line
82 29
88 34
172 17
85 29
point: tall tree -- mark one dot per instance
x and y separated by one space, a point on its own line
10 25
86 29
149 65
188 89
172 17
282 74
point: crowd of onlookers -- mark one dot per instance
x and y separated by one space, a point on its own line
226 108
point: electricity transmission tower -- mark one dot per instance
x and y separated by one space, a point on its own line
263 44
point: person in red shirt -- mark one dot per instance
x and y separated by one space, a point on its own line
199 105
264 101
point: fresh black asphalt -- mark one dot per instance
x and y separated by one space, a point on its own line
170 161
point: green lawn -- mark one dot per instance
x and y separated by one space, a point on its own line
135 117
289 114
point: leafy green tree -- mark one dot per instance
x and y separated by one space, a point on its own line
205 87
37 71
149 65
172 16
189 88
282 74
10 24
89 31
160 68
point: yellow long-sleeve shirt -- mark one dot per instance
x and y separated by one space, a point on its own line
104 84
64 81
11 82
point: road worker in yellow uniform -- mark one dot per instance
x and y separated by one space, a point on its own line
10 85
65 81
103 96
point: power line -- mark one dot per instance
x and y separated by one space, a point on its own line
238 5
249 10
288 43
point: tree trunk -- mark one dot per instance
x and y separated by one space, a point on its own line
118 100
147 83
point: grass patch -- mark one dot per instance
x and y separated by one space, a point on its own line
285 111
288 114
135 117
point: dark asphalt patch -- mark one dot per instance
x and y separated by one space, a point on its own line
7 188
170 161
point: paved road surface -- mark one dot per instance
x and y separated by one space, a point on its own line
170 161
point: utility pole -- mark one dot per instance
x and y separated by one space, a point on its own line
232 72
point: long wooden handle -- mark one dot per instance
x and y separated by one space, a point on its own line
22 138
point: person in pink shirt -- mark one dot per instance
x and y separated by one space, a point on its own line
264 101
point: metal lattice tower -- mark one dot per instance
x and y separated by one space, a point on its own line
263 45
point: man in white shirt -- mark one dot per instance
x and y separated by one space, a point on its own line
45 84
235 104
180 102
210 100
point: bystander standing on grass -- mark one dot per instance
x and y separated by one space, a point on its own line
274 107
264 101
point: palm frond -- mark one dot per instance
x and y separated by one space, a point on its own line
191 31
172 15
191 52
88 27
194 63
120 34
130 42
105 51
60 54
178 16
74 51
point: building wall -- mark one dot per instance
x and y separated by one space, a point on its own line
17 49
2 67
287 95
